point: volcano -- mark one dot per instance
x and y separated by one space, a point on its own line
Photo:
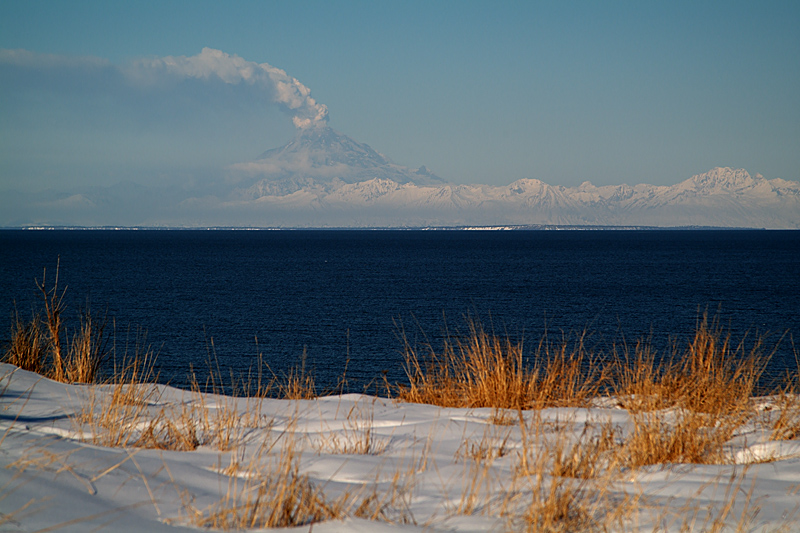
323 157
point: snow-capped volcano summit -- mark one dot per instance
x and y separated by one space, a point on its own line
323 146
321 156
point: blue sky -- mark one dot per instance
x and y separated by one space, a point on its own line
480 92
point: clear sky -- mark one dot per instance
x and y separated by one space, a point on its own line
479 92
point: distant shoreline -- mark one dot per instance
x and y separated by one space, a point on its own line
526 227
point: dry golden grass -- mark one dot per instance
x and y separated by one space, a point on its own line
693 516
298 384
710 375
87 351
784 415
564 482
591 456
478 457
116 418
556 483
688 407
785 423
563 485
483 370
503 417
278 496
491 446
130 415
220 425
721 377
476 494
53 308
685 408
27 348
390 503
389 500
269 491
678 437
356 436
555 504
40 345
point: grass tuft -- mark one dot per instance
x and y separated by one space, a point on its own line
41 346
28 346
710 376
559 485
279 497
483 370
678 437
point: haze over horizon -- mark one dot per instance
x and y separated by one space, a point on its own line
179 94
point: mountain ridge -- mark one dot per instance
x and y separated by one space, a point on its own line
723 196
323 178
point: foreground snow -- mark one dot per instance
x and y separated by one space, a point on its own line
420 460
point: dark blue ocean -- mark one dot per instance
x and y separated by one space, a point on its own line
228 296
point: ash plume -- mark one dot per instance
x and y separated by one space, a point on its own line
284 90
90 75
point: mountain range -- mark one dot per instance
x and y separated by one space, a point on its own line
323 178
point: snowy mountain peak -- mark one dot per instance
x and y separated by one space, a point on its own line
324 146
325 155
723 179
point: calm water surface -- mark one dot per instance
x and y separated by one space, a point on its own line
339 295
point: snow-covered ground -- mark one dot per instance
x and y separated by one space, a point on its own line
412 467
